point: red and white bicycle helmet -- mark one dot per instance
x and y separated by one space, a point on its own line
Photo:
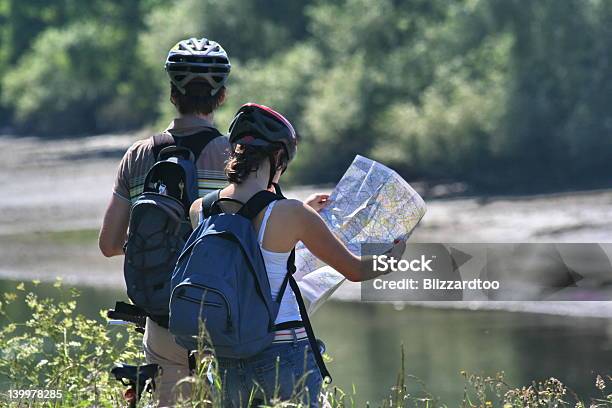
259 125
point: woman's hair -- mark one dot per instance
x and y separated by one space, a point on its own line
197 98
246 159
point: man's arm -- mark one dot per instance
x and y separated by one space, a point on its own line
194 212
114 227
117 216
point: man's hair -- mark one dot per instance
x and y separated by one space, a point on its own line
197 98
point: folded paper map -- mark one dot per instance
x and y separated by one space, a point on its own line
371 203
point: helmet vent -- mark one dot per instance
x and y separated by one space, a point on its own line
199 70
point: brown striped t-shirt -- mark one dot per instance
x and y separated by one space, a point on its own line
138 160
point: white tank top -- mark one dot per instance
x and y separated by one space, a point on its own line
276 266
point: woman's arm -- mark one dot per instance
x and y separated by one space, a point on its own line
317 237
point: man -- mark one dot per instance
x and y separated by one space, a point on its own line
198 70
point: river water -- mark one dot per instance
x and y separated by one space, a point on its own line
364 341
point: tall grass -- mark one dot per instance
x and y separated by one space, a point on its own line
57 348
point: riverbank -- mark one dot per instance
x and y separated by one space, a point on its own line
55 192
64 184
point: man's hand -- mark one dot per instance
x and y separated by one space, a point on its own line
317 201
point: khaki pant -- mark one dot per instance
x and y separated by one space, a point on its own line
160 348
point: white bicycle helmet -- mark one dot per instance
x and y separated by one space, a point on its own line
198 58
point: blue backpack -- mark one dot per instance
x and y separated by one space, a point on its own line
220 282
159 221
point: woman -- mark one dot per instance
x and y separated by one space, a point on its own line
263 145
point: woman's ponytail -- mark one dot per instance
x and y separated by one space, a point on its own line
246 159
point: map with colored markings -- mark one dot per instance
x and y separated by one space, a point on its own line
370 204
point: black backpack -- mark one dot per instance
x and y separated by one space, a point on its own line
159 221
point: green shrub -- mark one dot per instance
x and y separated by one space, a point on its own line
57 348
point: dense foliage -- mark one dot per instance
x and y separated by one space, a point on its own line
504 94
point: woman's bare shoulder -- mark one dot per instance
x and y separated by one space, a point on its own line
295 212
289 206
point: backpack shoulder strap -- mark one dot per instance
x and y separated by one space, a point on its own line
312 340
196 142
208 202
291 269
250 209
278 190
160 141
258 202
